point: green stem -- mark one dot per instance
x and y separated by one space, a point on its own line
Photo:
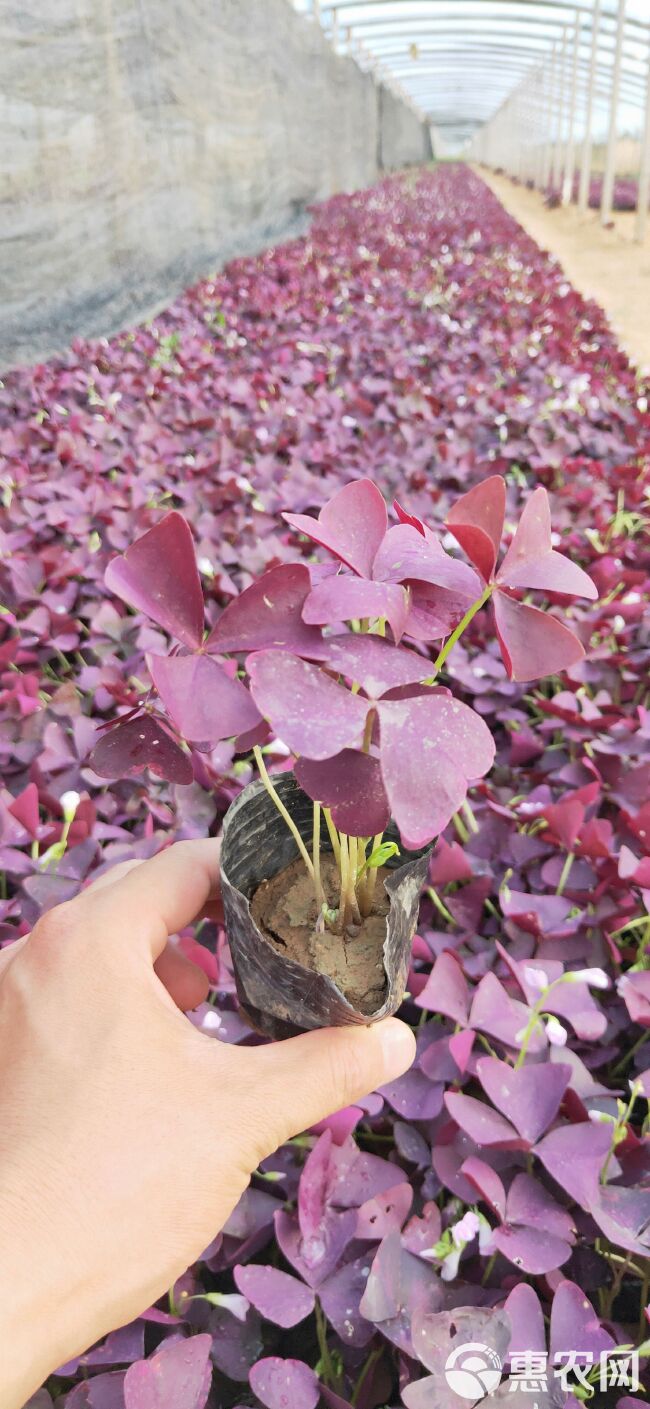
460 828
333 835
457 633
620 1128
469 817
344 867
328 1372
372 1360
282 810
620 1066
318 885
440 906
566 872
368 892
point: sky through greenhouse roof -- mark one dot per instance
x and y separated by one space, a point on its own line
459 59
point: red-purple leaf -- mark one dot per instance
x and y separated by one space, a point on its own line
203 701
340 599
575 1325
351 785
406 556
283 1384
375 664
282 1299
137 744
531 1096
481 1123
476 520
158 576
574 1155
533 643
523 1309
431 748
179 1374
487 1182
531 562
446 990
269 616
306 708
531 1249
352 525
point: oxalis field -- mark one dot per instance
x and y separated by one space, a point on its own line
352 540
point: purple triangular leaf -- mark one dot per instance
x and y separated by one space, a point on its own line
306 708
524 1312
351 786
339 599
375 664
476 521
277 1296
531 1249
137 744
575 1325
158 576
531 562
533 643
352 525
431 748
574 1155
446 990
405 556
481 1123
281 1384
178 1376
269 616
204 702
531 1096
487 1183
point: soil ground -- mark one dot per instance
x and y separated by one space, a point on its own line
285 909
605 265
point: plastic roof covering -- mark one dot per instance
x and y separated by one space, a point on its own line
459 59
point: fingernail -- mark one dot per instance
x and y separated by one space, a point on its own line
398 1047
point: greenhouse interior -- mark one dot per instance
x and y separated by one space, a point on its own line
325 704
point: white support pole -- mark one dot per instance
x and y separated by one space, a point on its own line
644 171
550 112
315 9
335 30
610 158
588 141
558 154
570 163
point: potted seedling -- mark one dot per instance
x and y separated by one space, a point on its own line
322 866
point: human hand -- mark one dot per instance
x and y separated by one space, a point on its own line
126 1135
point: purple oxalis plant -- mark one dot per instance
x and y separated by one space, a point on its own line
319 660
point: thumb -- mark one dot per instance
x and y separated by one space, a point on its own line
298 1082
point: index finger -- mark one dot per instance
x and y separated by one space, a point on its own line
156 898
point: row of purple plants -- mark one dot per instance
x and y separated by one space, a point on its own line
625 195
499 1193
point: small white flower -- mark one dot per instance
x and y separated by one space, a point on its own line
535 978
450 1265
205 566
602 1118
596 978
556 1033
466 1229
69 802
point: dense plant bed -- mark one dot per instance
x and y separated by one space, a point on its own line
498 1193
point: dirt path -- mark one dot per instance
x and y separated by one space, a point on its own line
603 264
